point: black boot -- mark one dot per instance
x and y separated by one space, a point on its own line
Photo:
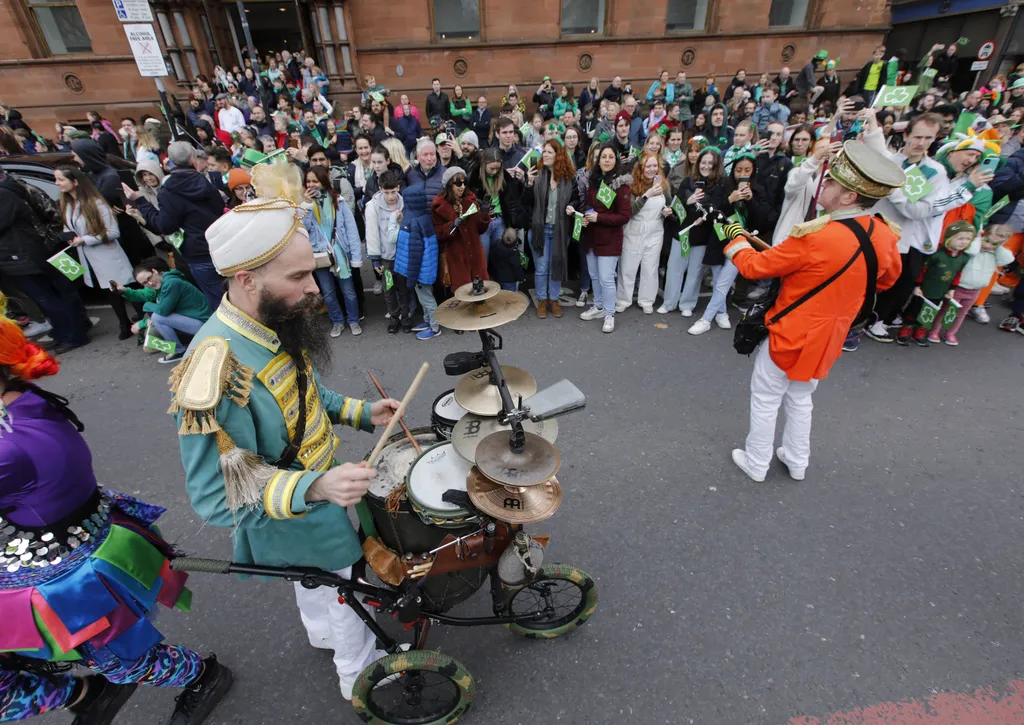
199 699
102 701
126 332
393 324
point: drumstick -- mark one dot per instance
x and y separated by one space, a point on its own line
398 414
405 428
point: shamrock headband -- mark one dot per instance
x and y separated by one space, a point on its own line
745 155
558 128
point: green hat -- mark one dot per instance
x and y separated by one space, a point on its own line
957 227
1019 83
821 55
547 78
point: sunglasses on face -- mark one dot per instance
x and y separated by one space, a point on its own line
459 182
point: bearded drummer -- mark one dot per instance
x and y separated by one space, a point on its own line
255 461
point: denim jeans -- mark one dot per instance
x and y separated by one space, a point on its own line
602 272
208 280
547 289
723 276
168 326
329 288
492 235
692 266
59 302
510 286
425 294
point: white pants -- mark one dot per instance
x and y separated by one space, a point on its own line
331 625
769 389
645 254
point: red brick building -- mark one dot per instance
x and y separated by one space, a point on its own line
64 58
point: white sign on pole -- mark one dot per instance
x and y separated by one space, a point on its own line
986 50
979 65
133 11
146 50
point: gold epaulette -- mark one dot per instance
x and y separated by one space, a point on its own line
892 225
199 382
814 225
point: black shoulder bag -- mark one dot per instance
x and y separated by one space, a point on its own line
752 328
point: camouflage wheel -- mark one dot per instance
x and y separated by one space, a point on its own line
430 689
563 596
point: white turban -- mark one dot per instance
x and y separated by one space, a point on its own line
252 234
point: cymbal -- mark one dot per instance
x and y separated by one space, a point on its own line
514 504
475 393
471 429
465 292
505 306
538 462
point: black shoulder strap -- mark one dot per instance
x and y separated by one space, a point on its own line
871 258
816 290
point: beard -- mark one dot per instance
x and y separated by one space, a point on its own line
298 328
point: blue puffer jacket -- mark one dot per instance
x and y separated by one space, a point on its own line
416 255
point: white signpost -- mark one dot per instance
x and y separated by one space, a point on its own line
146 49
133 11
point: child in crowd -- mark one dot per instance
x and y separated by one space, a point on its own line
383 219
940 274
744 138
976 275
506 266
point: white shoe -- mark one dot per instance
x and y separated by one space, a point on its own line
35 329
663 310
722 320
592 314
699 327
897 321
648 309
581 301
356 329
609 325
797 474
739 457
336 330
980 314
622 306
685 312
998 289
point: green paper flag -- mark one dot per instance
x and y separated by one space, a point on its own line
603 138
927 314
636 152
684 243
473 209
577 226
525 130
965 122
155 343
678 209
719 230
928 76
917 184
377 96
663 130
67 265
895 96
176 239
389 279
951 312
524 260
995 207
605 195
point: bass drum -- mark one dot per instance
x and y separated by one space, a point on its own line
405 531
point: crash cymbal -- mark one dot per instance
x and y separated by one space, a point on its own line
538 462
488 289
505 306
471 429
514 504
475 393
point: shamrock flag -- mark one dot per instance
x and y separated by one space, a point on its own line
524 260
155 343
995 207
678 209
473 209
389 279
684 243
928 77
67 265
917 184
663 130
895 96
525 130
636 152
952 310
719 230
604 137
176 238
928 312
377 96
577 226
964 123
605 195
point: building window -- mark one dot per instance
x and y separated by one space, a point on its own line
582 17
208 32
61 26
686 14
456 19
787 13
346 55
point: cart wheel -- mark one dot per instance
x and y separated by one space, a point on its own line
566 597
431 688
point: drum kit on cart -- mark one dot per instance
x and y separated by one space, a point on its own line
445 514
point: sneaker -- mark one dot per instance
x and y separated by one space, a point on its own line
421 327
797 474
542 309
739 457
592 313
904 336
921 337
663 310
199 699
555 308
609 325
933 337
686 312
699 327
428 333
337 329
103 708
722 320
387 316
356 329
172 358
980 314
851 343
998 289
581 301
951 340
1010 324
878 332
35 329
648 309
394 325
897 322
407 327
622 306
63 347
378 287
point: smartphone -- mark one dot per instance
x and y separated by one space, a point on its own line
989 163
858 105
293 143
699 185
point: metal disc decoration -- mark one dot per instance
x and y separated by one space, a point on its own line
538 462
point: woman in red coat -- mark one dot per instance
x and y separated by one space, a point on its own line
606 212
458 235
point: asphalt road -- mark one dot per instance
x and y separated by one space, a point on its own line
892 572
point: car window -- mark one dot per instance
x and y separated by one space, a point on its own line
48 186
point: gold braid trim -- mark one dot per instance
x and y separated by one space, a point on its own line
199 382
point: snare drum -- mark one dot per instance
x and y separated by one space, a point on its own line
445 414
439 469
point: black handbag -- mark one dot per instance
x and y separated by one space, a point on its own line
752 328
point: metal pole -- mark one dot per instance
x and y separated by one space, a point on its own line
165 105
248 42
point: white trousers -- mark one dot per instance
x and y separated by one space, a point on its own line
769 389
643 254
331 625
